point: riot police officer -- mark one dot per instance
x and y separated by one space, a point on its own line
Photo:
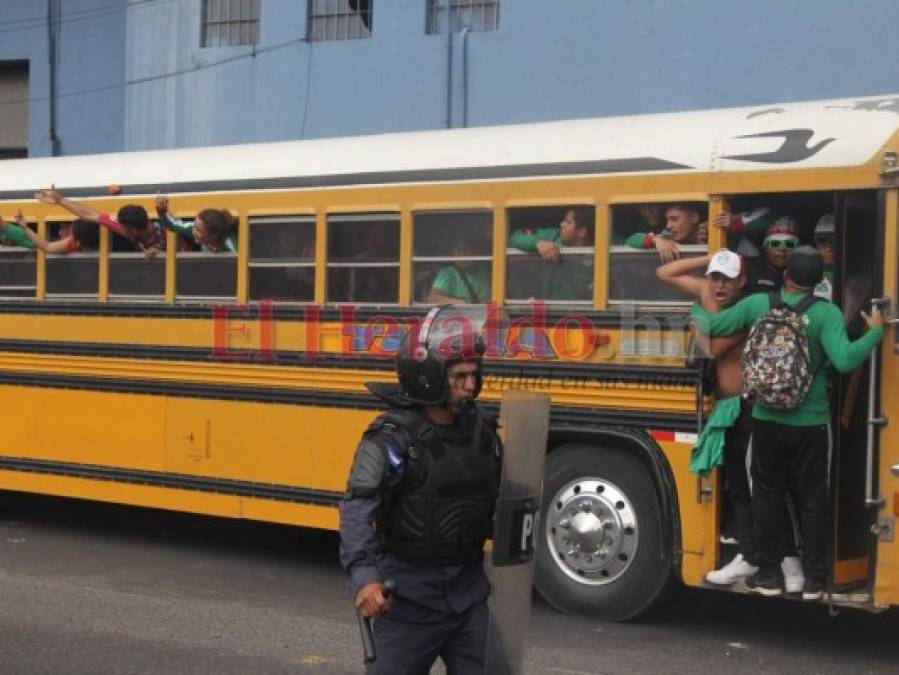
419 505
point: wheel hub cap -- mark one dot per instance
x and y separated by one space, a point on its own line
591 529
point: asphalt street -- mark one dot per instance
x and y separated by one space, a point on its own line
95 589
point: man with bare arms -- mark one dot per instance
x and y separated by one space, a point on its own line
728 425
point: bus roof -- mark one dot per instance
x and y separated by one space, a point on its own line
835 133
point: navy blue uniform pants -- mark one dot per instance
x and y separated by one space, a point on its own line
409 638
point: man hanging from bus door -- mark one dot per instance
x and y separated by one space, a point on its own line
725 437
856 291
131 221
569 278
790 442
433 454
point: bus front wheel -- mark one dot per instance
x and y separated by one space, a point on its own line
601 551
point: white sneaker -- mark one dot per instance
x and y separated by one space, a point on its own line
732 572
794 579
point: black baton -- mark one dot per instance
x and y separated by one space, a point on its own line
365 629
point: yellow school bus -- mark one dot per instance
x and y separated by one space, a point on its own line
233 384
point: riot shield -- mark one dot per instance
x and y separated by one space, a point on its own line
524 424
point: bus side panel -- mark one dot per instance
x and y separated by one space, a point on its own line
186 501
293 445
698 512
90 427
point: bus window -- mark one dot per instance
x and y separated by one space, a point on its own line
363 258
131 275
451 256
18 271
73 275
282 258
637 233
550 254
203 275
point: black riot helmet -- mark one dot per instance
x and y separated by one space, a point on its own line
446 336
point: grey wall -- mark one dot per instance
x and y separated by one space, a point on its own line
549 60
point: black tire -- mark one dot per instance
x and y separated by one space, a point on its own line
635 571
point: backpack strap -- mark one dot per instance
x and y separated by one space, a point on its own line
803 305
774 300
472 293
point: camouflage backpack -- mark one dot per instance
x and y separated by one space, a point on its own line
776 366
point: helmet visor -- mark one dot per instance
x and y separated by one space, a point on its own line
461 331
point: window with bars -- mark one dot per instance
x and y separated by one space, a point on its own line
339 20
568 279
282 258
451 256
18 268
477 15
229 23
363 264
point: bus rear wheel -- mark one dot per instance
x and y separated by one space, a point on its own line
601 550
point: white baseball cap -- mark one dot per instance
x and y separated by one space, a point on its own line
727 263
825 226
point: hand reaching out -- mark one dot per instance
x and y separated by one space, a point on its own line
51 196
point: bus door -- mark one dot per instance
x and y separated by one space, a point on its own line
883 465
858 216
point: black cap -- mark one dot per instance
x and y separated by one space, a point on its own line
805 266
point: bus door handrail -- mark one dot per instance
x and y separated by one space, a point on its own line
873 498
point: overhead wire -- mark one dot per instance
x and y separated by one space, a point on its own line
253 52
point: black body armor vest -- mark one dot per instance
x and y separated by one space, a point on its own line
441 512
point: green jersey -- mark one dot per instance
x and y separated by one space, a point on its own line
186 230
827 343
450 281
569 279
13 235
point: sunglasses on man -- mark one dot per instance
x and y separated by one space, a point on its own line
788 244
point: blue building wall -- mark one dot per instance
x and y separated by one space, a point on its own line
90 72
134 77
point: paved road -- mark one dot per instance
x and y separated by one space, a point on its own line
96 589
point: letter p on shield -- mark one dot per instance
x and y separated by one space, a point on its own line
527 532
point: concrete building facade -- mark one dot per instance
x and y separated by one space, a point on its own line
113 75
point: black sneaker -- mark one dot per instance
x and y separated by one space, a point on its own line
812 590
769 586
